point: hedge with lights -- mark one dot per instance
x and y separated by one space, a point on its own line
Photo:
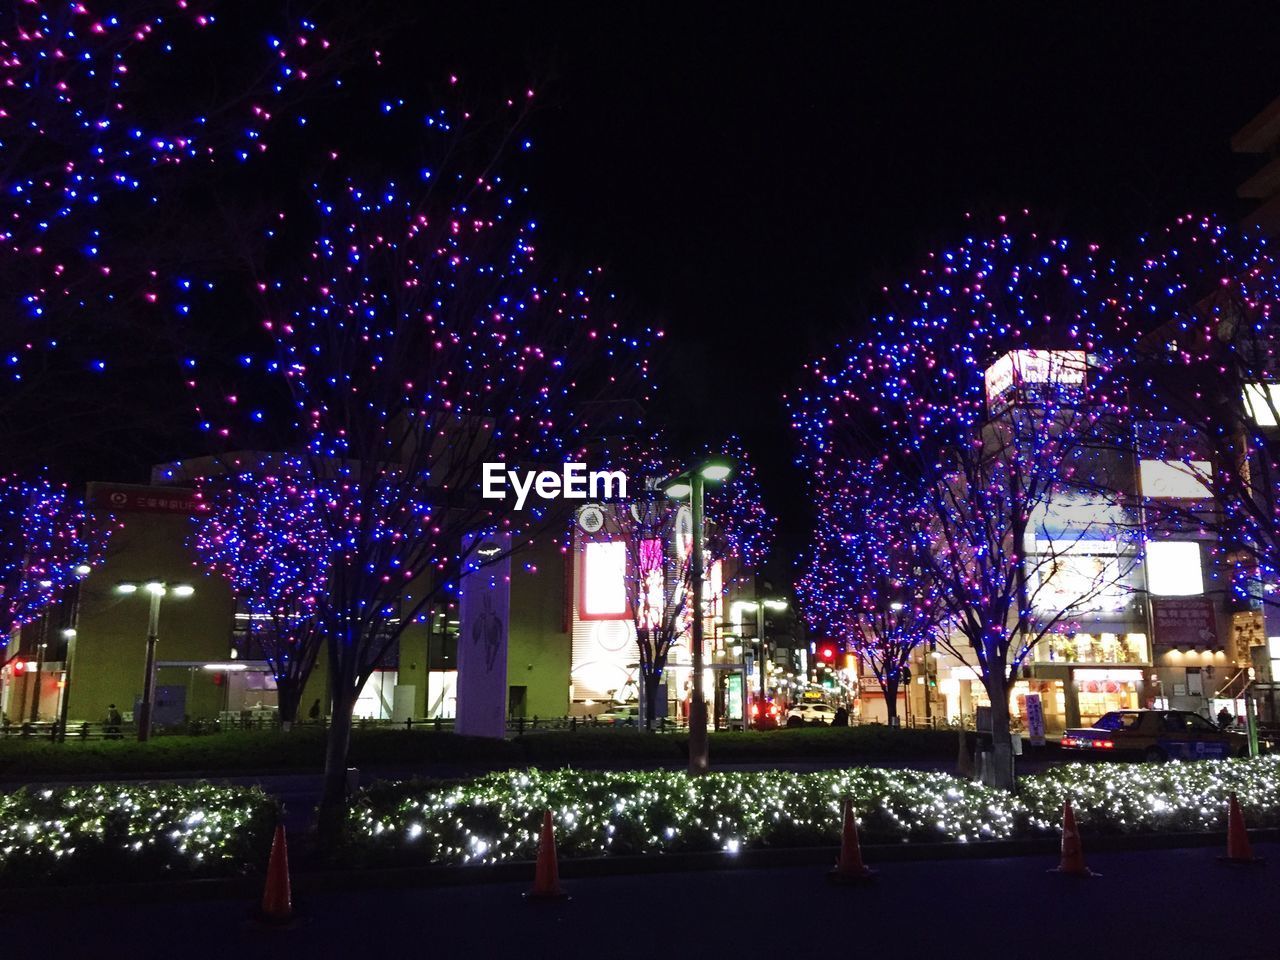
121 832
496 817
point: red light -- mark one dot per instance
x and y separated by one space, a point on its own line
19 666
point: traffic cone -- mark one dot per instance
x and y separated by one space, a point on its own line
1072 863
850 868
964 762
546 875
1239 849
277 898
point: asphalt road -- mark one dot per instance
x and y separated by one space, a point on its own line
1164 904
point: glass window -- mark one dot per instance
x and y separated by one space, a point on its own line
1119 721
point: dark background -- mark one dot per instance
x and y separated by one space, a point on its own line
750 179
753 179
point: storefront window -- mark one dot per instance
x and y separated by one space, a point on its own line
1102 691
1093 648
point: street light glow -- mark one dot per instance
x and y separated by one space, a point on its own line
678 489
155 586
126 588
83 570
183 590
717 470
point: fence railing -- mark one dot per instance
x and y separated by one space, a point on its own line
80 731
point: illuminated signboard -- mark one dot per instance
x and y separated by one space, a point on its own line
654 598
1019 369
604 581
1175 480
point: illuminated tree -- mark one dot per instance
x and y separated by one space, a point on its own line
1198 326
116 139
867 578
420 338
983 383
48 543
261 530
655 537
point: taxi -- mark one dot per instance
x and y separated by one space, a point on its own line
1157 735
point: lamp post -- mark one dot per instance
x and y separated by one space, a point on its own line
759 606
157 589
69 633
691 484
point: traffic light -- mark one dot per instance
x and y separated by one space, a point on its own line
826 651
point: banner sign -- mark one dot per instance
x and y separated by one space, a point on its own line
1184 623
483 622
1035 719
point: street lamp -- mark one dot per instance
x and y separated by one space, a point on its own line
156 590
759 606
690 484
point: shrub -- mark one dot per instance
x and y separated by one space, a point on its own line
121 832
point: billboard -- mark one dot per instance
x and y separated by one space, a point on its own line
1184 623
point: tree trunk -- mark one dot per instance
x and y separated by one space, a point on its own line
999 773
889 686
288 693
651 686
333 798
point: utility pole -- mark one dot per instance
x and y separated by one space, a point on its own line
698 759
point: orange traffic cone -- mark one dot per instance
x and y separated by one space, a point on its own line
546 876
1238 848
850 868
1072 863
277 898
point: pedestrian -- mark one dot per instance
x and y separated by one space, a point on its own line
1225 719
113 722
841 719
314 712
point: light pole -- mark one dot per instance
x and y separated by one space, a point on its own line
759 606
157 589
69 633
690 484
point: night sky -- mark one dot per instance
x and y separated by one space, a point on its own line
750 180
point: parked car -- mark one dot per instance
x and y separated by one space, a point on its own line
765 715
1157 735
620 715
810 712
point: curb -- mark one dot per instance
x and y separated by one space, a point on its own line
26 899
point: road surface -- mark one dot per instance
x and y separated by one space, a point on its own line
1169 905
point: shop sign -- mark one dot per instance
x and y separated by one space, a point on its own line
1183 623
145 499
1035 719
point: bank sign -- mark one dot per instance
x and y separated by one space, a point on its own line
572 482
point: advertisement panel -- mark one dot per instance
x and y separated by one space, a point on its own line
1184 623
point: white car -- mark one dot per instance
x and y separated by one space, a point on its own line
806 713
